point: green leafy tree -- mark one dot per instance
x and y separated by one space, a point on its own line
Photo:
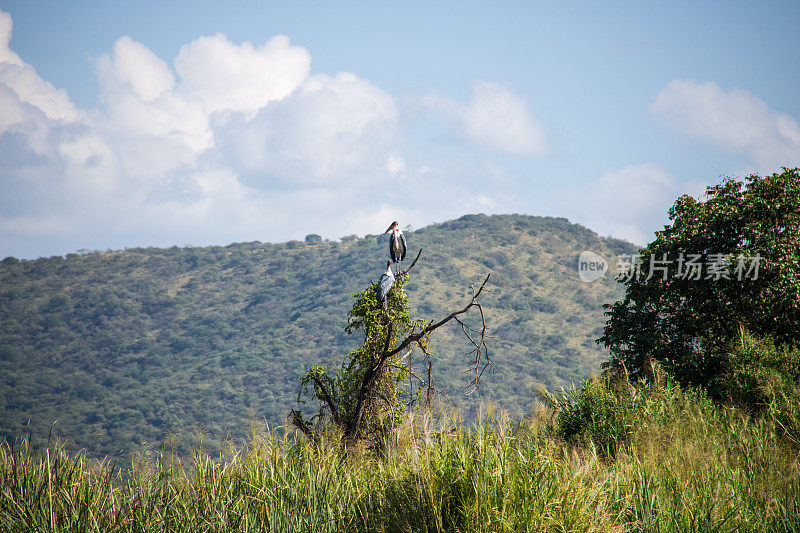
365 398
727 260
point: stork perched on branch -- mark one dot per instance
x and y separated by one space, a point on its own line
397 242
385 283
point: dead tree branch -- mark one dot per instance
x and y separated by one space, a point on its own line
412 264
368 380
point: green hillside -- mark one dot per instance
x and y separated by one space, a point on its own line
123 348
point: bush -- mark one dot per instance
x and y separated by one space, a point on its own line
757 369
764 378
594 413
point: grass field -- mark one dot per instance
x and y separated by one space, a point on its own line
659 460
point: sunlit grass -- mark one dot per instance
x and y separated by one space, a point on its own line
687 465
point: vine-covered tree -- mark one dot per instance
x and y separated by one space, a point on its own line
731 259
365 397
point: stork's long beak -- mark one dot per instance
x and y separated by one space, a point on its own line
391 226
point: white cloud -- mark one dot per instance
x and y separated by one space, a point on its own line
6 54
494 118
31 89
26 84
226 76
231 142
629 203
135 68
332 131
215 75
90 164
735 120
139 91
498 119
12 110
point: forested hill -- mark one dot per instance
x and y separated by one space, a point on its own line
124 347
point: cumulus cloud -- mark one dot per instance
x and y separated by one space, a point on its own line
494 118
26 84
133 67
229 142
332 131
243 77
215 76
735 120
32 111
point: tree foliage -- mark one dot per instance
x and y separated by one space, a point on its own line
688 321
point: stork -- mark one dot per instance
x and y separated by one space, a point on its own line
397 242
385 283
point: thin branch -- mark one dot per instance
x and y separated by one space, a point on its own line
481 350
417 336
480 347
412 264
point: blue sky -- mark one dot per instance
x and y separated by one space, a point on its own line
161 123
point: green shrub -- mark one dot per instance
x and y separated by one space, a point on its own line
764 378
756 370
594 413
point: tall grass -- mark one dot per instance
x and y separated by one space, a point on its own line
682 464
